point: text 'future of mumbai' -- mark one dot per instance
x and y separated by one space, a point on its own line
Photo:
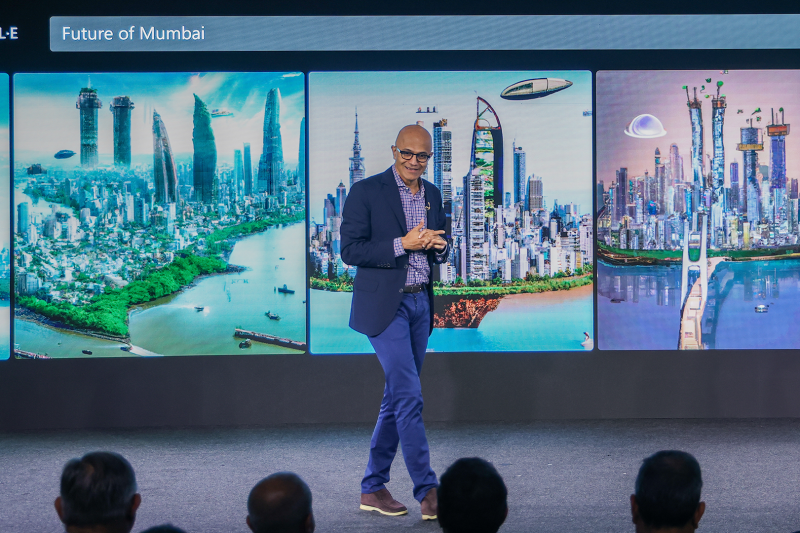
130 34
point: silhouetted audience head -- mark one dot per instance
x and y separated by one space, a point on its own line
668 493
98 493
472 498
280 503
164 528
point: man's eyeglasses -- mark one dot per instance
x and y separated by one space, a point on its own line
422 157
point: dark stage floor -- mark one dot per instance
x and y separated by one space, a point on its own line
561 476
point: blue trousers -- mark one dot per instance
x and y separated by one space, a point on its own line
401 351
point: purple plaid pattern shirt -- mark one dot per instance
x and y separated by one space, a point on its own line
414 208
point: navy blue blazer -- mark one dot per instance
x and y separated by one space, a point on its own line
372 219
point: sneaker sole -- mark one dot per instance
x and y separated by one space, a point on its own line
429 517
387 513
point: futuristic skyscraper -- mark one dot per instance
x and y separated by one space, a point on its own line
698 180
535 199
270 166
165 177
357 171
777 134
238 174
519 173
621 194
735 197
718 105
248 171
121 107
750 146
483 189
88 103
23 219
204 165
443 158
341 196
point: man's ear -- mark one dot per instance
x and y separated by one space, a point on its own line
635 518
135 503
310 525
698 514
249 525
59 505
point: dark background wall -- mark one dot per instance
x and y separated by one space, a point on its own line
280 389
244 390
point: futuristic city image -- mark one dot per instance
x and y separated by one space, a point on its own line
697 210
513 159
5 224
158 214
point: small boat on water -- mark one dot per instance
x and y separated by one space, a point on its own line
245 343
282 258
285 289
199 308
125 348
272 316
86 352
762 308
616 300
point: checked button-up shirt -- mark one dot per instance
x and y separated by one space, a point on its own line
419 271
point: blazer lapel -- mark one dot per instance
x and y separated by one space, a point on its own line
429 210
393 198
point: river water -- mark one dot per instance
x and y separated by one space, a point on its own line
551 321
172 326
639 308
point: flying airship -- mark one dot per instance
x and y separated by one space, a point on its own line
217 113
535 88
64 154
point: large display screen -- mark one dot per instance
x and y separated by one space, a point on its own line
697 224
513 159
158 214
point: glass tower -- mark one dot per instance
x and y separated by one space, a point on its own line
270 166
121 107
204 164
165 176
88 103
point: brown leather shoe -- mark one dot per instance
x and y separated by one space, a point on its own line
430 505
382 502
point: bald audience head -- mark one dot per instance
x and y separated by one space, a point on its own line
280 503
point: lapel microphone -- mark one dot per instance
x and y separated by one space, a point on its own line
428 207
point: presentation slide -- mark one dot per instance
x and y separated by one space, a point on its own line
697 223
512 155
159 214
5 223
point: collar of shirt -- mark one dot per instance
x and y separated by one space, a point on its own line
402 184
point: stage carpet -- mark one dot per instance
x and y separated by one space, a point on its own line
565 476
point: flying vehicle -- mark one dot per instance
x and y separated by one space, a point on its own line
645 127
64 154
535 88
216 113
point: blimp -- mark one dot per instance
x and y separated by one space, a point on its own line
535 88
64 154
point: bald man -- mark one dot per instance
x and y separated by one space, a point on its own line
392 230
280 503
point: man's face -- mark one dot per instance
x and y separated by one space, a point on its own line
416 141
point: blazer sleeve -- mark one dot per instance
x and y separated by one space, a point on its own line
358 247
